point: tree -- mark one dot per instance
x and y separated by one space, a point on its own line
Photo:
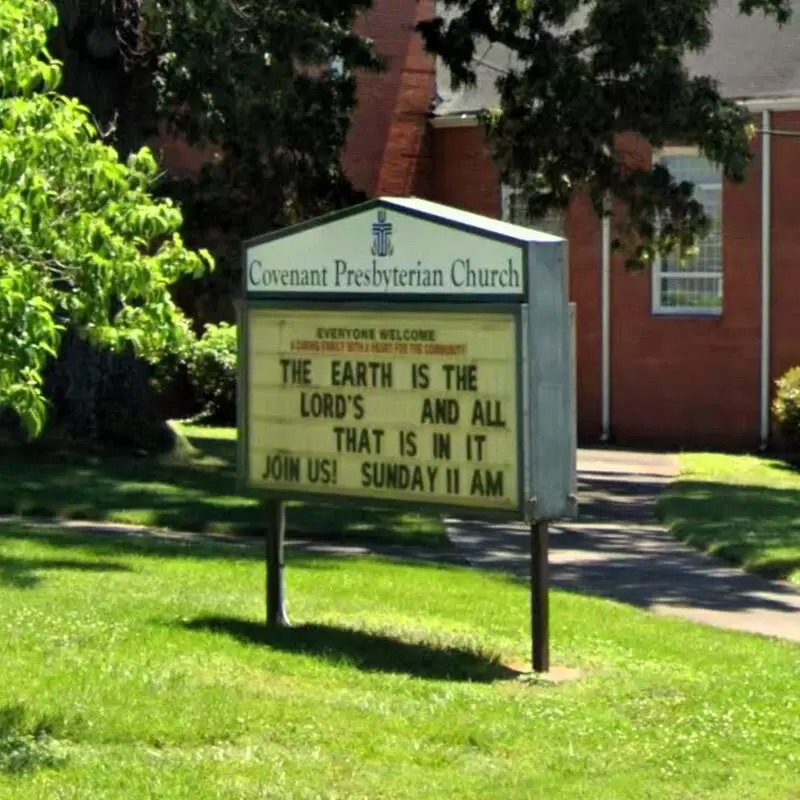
83 245
250 79
587 72
105 67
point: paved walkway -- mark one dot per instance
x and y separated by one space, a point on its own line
616 550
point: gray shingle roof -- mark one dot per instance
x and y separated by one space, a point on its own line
750 57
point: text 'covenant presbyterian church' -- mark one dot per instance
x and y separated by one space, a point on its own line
461 274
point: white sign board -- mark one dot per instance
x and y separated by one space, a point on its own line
398 247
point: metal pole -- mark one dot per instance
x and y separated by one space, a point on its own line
540 588
766 270
605 330
276 585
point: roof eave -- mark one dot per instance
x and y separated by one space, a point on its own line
766 103
468 119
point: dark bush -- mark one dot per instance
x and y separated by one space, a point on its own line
97 398
174 389
786 412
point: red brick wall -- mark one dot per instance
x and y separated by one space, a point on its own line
175 155
785 304
585 258
683 380
463 173
387 151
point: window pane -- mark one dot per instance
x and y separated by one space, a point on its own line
691 292
697 284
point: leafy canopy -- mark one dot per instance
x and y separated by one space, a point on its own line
82 242
253 79
245 79
586 72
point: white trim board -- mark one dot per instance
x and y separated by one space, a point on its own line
756 105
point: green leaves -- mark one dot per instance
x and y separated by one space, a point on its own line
82 242
24 63
781 10
227 71
249 83
585 75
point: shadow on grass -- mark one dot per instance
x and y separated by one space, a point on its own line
25 573
27 743
111 542
199 496
222 449
755 526
369 652
117 542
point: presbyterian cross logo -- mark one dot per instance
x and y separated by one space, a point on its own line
382 236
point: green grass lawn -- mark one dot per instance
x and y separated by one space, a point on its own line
133 668
741 508
197 494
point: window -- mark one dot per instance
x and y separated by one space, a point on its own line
515 210
696 286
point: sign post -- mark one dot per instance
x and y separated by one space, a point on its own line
540 596
275 557
404 352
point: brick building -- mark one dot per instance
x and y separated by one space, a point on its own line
686 359
664 357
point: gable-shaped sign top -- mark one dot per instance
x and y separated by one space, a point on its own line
394 246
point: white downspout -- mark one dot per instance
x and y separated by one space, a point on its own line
605 325
766 269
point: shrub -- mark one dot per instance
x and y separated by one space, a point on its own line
212 373
173 386
786 411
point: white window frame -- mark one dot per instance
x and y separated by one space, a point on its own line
553 222
658 308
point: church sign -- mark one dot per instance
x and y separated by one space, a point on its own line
407 352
